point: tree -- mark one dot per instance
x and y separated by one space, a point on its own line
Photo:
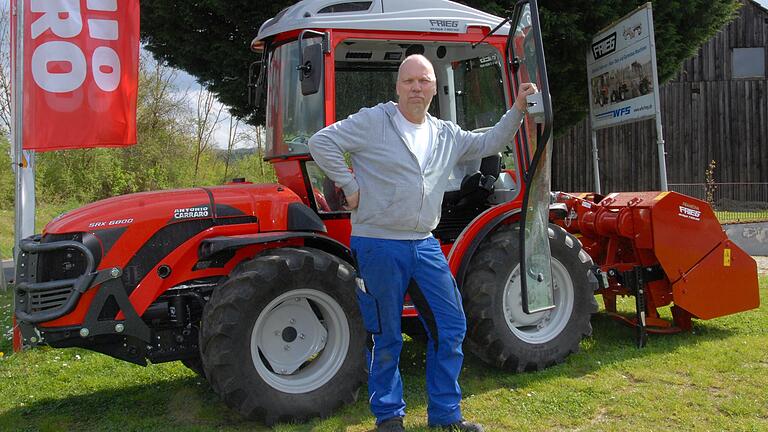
207 118
211 40
5 72
233 138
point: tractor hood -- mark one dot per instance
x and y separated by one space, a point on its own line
146 212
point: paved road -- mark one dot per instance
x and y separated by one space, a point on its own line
752 237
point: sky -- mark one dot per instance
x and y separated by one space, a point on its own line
186 83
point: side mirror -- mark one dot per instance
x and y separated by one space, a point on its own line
255 84
311 69
311 63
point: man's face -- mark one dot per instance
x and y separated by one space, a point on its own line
416 85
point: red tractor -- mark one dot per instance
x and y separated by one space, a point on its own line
252 286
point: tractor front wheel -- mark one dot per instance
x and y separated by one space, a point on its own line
283 339
498 330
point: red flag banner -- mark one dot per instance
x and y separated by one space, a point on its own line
81 73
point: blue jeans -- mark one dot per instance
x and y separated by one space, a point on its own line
388 268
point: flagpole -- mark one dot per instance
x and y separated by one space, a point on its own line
23 161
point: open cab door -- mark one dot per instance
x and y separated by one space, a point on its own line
526 53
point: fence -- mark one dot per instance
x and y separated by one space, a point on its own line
732 202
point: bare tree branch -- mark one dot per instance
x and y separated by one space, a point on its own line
233 139
5 70
205 122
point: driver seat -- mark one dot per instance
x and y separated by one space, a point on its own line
475 187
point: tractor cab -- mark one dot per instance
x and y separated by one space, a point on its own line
315 78
323 60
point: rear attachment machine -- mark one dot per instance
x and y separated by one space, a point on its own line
663 248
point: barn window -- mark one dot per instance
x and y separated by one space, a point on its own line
748 63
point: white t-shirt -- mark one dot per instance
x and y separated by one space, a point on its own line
418 137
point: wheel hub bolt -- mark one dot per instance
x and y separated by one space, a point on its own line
287 347
301 336
292 321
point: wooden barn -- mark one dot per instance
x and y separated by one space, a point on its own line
716 108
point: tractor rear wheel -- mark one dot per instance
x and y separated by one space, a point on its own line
283 339
498 331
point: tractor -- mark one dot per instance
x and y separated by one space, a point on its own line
253 285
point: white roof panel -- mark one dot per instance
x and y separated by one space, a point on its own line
395 15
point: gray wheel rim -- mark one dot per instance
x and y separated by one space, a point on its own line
300 340
544 326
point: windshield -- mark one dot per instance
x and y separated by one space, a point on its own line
479 92
291 118
359 86
470 80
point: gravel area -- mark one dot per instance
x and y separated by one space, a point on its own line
762 265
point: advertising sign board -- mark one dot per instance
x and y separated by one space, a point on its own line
621 71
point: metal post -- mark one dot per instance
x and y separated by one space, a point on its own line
595 157
23 161
659 133
595 162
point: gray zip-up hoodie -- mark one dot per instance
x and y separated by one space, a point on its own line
398 199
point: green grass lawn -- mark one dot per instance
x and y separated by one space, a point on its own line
740 217
713 378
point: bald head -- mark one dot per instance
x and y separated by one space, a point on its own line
416 60
416 86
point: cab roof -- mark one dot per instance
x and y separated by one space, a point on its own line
441 16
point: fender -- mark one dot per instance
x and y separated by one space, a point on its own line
230 247
469 240
209 248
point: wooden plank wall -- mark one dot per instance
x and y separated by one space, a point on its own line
705 115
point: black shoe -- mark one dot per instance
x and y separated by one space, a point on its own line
395 424
461 426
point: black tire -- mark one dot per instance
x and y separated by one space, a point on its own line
490 335
250 385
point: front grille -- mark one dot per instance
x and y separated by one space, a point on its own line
66 263
49 299
52 272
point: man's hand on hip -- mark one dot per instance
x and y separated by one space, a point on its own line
352 201
525 90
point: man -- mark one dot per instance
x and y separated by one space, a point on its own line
401 158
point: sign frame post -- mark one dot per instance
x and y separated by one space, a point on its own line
596 163
659 132
593 133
